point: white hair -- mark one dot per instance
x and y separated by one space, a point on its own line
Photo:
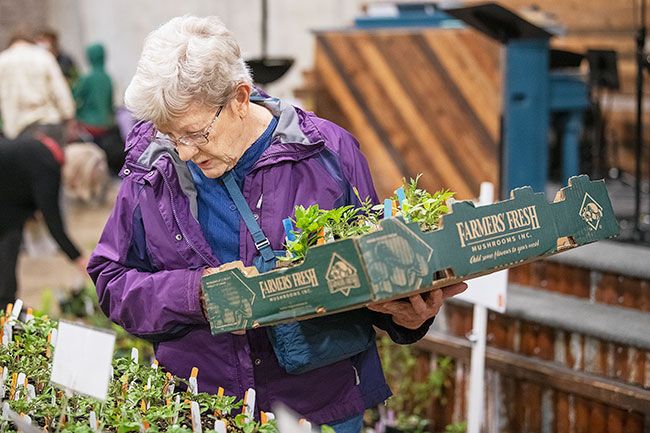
187 60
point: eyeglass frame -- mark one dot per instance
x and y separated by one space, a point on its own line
205 134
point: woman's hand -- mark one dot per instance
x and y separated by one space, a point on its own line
413 311
81 263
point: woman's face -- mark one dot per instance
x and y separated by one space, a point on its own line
213 138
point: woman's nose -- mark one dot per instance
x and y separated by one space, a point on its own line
186 153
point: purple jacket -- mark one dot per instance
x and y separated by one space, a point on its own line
148 264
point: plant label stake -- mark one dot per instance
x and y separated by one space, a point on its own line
400 195
289 422
5 410
92 420
249 404
29 315
177 403
82 359
20 383
305 424
196 418
168 388
7 335
18 306
265 417
5 374
14 381
143 404
31 392
48 346
388 208
135 355
288 229
220 426
194 386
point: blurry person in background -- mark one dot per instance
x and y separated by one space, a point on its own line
30 179
49 40
93 95
34 96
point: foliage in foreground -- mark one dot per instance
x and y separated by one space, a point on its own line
140 397
314 225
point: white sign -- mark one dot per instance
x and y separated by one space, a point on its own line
82 359
490 290
289 422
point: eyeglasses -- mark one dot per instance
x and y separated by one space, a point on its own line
197 139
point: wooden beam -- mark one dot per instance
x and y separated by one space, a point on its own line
547 373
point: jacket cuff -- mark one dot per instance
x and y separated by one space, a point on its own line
194 291
397 333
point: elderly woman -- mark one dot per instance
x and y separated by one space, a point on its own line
176 220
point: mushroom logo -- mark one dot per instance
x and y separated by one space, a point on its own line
341 276
591 212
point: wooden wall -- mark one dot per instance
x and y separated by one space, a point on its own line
429 101
419 101
543 379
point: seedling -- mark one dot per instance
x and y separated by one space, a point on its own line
314 226
165 408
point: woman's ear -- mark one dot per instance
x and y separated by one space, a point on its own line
241 102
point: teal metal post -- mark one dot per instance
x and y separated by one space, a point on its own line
525 114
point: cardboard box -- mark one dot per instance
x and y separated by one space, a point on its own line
399 259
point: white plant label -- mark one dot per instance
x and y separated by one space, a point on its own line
249 404
18 307
20 385
196 418
92 420
3 379
288 421
82 359
220 426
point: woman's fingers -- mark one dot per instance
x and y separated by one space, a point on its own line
453 290
420 307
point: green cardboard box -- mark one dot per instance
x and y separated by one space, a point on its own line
399 259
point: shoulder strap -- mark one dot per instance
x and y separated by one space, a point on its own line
261 241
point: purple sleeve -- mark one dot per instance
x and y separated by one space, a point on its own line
151 304
356 171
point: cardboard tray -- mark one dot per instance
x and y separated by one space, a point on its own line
400 260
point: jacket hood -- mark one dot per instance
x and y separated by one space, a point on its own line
95 54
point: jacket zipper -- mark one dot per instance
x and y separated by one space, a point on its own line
180 227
